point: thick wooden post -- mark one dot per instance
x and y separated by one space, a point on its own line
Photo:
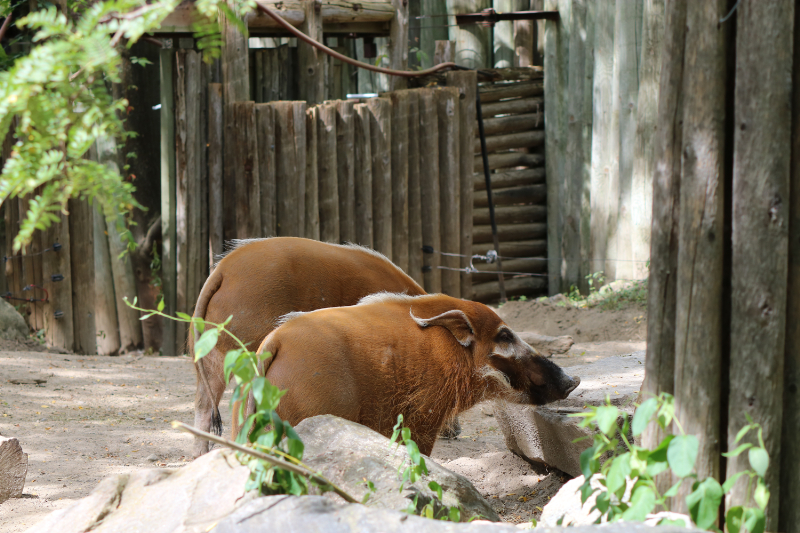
790 462
363 175
431 32
524 40
467 83
58 323
399 101
447 109
759 260
290 167
246 174
215 150
345 160
473 42
328 173
444 52
662 284
169 345
398 43
430 197
312 230
81 238
265 133
105 307
414 201
312 61
381 147
698 335
556 87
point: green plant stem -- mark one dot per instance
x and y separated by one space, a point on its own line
299 470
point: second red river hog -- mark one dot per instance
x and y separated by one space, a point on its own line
427 357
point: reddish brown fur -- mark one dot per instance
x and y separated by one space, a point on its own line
264 279
370 362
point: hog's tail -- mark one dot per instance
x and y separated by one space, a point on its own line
210 287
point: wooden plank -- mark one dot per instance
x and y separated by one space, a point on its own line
204 262
510 232
272 66
530 248
345 148
513 123
488 292
511 178
524 39
514 214
662 283
414 191
105 307
363 175
698 333
514 195
509 141
398 43
488 271
290 167
58 322
760 243
517 89
170 340
12 266
235 63
588 116
327 169
311 80
380 146
265 136
556 86
474 42
444 52
517 106
81 237
447 109
30 311
399 101
183 169
467 84
130 328
429 34
503 34
215 151
245 164
312 175
509 160
430 196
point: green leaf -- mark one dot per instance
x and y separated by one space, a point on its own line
181 315
455 514
728 485
586 490
643 502
682 453
761 495
670 522
673 490
734 519
589 465
759 460
602 502
413 451
742 432
740 519
618 473
205 344
704 502
435 487
161 305
644 413
607 419
738 450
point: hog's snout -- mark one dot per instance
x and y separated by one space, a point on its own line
570 384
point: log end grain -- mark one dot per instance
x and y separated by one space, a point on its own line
13 468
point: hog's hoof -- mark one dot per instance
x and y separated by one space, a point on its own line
451 429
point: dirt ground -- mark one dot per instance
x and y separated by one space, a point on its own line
96 416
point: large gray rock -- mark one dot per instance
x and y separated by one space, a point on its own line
157 501
546 434
13 468
348 453
12 325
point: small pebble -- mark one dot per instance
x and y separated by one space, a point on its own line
148 419
152 458
120 414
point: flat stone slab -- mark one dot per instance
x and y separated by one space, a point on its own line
13 468
545 434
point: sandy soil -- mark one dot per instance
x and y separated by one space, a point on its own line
96 416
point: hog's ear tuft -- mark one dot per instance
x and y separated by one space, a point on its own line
455 321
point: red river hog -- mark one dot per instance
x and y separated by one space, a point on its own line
428 357
260 280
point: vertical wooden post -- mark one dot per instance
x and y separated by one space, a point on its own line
662 284
431 31
524 40
265 137
399 101
345 160
414 201
312 230
11 267
380 146
215 149
698 330
327 171
312 68
31 311
430 196
790 462
473 42
363 175
170 342
586 139
105 307
556 88
235 64
185 126
81 238
290 167
503 34
58 322
467 84
573 185
245 165
398 43
447 109
444 52
759 260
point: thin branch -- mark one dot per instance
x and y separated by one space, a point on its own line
6 24
308 474
130 15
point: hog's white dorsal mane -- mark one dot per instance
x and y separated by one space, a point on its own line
287 317
386 297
